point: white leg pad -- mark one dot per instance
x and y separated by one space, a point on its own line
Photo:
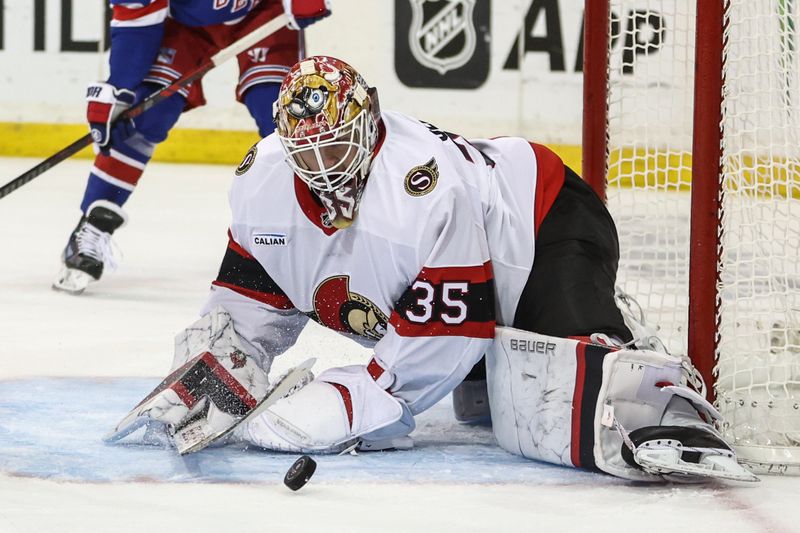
317 418
531 379
556 400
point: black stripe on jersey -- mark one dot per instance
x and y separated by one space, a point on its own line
479 301
245 275
448 301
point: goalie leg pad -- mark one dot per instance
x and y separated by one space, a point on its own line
326 415
543 396
558 400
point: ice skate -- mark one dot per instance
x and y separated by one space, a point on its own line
684 454
471 396
89 251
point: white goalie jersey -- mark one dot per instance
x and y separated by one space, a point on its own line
439 253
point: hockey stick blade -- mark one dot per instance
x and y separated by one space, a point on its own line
220 57
199 434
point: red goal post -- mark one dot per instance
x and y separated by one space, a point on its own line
692 134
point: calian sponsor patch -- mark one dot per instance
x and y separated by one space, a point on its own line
270 239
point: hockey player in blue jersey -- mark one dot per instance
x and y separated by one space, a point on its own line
154 43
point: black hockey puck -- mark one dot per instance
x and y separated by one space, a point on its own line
300 472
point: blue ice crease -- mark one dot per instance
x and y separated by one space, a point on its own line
52 428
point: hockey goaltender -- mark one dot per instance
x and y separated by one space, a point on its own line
485 268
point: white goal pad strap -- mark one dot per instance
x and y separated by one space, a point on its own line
326 415
556 400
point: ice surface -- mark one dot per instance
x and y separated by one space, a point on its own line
52 428
70 367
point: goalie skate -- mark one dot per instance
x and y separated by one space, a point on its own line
683 454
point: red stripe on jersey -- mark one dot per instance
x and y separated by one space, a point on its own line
577 400
278 301
123 13
231 382
381 138
476 330
471 274
236 247
347 399
549 181
118 169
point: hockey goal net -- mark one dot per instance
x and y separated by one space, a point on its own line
692 133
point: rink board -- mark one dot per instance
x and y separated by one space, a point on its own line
52 428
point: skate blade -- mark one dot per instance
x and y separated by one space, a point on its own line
394 443
668 462
72 281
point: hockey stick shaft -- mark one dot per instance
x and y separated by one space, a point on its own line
220 57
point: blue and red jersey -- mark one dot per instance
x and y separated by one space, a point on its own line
137 29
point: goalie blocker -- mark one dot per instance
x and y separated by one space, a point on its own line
625 412
213 381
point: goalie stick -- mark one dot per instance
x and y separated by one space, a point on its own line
220 57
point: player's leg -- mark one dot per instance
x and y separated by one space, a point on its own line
112 179
615 404
258 100
263 66
115 174
626 412
570 291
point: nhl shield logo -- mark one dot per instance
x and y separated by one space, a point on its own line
442 34
442 43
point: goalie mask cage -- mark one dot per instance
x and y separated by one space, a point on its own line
692 134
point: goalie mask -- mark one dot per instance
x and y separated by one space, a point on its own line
327 121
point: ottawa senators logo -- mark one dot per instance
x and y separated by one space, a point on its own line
247 162
422 179
336 307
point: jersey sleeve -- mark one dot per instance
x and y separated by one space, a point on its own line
137 28
263 316
444 321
